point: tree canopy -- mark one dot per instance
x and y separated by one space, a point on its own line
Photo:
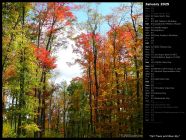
105 101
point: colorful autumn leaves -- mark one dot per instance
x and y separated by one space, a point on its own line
45 59
52 18
115 61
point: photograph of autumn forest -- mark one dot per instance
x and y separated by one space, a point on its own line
72 70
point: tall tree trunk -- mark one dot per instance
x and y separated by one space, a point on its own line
12 106
43 105
90 97
95 76
64 114
36 96
21 96
57 125
22 78
117 78
39 110
15 117
50 113
137 71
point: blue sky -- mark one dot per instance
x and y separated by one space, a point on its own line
104 8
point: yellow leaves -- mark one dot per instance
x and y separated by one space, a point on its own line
31 128
139 43
104 93
119 71
8 131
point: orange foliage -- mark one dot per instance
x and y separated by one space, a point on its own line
10 72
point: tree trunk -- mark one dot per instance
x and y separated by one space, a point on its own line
64 114
137 72
95 77
90 97
117 78
22 79
43 106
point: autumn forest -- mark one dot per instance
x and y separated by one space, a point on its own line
104 101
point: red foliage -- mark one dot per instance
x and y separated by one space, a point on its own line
85 39
44 58
124 34
84 44
59 10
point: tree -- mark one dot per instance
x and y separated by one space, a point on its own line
18 54
50 20
105 101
